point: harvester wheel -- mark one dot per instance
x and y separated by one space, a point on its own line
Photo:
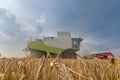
69 54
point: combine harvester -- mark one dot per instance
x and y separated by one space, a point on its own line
63 44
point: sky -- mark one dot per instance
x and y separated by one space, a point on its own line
96 21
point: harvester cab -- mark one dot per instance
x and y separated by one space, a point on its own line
76 43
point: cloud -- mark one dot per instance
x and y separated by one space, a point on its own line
3 35
31 30
97 22
8 26
116 52
95 45
89 43
41 20
11 35
14 34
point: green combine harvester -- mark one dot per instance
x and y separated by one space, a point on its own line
63 44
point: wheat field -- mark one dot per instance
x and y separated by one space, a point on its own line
58 69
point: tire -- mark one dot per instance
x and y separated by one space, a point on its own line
68 54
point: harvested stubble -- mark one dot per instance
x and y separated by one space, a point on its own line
58 69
